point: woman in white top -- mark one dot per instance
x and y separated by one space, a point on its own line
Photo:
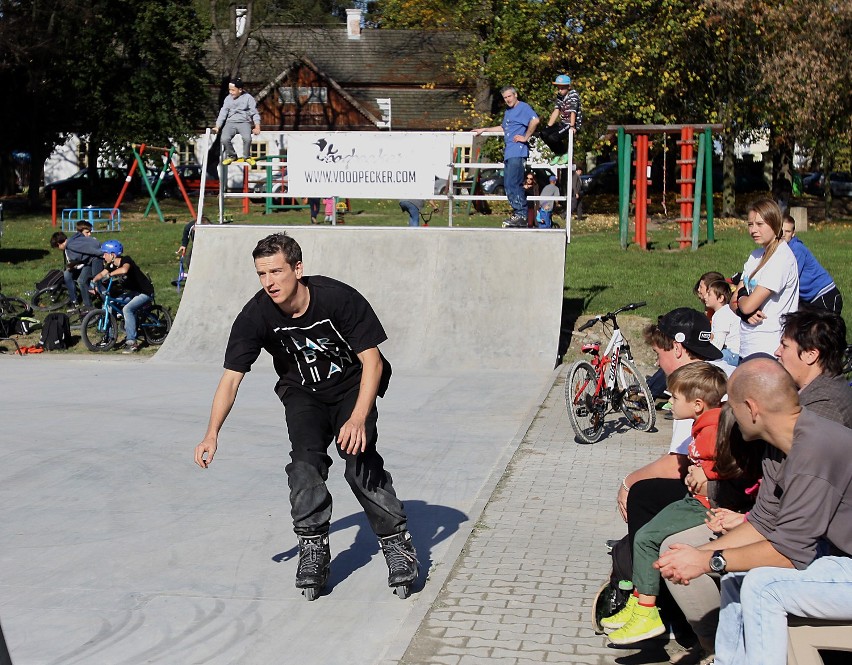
769 286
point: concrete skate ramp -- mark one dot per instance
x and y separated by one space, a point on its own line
454 299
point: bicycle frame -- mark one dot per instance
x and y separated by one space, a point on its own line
608 381
606 366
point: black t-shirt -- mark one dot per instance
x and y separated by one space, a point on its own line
134 280
317 351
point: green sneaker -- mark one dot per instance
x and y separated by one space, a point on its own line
643 625
227 160
621 617
565 159
251 161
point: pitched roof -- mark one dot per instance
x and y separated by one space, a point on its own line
411 67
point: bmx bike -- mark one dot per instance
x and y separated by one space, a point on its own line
55 296
607 383
100 327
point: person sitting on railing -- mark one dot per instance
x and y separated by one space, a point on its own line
137 287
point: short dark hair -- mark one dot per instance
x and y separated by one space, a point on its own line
721 289
818 330
279 242
83 224
57 239
706 279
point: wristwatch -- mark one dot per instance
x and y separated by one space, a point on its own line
718 563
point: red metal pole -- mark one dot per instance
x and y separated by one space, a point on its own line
53 206
182 189
687 185
127 181
642 191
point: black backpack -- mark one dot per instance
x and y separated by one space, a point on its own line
56 332
52 278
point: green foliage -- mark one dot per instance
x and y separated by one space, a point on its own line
115 71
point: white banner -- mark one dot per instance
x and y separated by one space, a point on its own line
365 165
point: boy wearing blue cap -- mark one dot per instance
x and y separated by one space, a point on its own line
567 116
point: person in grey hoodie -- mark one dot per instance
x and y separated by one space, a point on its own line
238 116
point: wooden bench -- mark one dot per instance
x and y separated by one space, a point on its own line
806 636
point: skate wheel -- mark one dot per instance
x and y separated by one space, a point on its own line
311 592
598 611
403 591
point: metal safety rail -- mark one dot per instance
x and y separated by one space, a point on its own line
454 184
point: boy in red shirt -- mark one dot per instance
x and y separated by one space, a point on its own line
697 391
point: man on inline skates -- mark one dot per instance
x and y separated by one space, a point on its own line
323 337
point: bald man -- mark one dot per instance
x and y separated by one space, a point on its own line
791 556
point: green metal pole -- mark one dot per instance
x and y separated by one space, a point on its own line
79 199
624 183
268 200
144 175
696 199
153 194
708 176
622 237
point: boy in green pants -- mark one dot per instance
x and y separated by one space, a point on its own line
697 390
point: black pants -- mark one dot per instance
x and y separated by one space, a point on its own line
312 425
831 301
555 137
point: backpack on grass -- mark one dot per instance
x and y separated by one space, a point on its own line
56 332
52 278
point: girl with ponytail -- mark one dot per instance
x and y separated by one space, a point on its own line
769 287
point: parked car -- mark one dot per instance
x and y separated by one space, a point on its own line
190 175
603 179
109 182
279 185
491 180
839 182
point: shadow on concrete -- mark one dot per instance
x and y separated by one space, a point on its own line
429 526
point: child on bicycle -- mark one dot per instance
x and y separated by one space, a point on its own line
697 391
138 289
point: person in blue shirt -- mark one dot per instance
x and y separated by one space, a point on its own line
519 124
816 287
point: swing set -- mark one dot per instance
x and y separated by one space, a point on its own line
696 177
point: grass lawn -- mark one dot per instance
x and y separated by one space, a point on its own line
599 276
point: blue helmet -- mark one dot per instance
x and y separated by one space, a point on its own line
562 79
112 247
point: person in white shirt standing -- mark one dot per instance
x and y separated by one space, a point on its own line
769 286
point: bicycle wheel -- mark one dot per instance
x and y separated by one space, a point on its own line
155 325
10 307
99 330
51 298
635 397
585 409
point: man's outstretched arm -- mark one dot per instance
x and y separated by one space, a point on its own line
223 401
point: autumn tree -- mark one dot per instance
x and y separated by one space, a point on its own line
113 71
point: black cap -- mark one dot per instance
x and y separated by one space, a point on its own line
691 329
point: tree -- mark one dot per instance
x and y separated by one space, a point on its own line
808 72
114 71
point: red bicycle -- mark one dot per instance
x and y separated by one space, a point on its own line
607 383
